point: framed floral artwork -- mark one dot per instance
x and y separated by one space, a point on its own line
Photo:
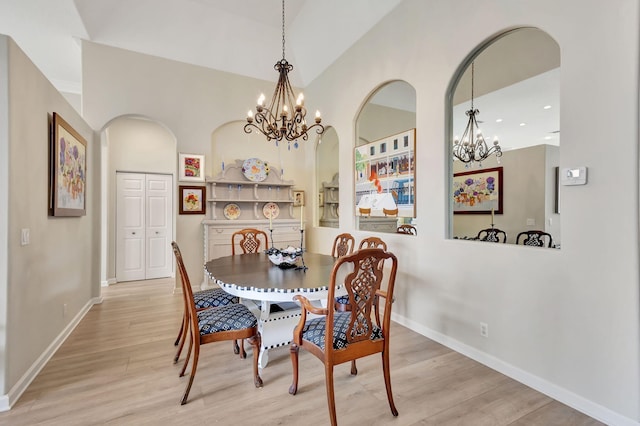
68 174
478 191
193 199
191 167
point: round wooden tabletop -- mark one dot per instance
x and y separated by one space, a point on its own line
254 276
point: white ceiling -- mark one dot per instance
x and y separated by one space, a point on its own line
239 36
245 37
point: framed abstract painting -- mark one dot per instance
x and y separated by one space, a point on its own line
68 174
478 192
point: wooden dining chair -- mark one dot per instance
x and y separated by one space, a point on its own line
342 302
492 235
407 229
372 242
354 334
204 299
535 239
343 244
249 240
390 212
229 322
364 211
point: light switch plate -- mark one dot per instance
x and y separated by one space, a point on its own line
573 176
24 236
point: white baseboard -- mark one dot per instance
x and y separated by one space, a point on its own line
108 282
552 390
7 400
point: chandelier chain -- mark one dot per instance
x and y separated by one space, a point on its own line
283 29
473 66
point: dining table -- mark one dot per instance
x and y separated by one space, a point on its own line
260 284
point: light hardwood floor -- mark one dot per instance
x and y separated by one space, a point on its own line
116 368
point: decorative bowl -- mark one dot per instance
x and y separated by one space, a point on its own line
284 258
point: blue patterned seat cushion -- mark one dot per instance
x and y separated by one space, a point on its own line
314 330
234 316
213 297
343 300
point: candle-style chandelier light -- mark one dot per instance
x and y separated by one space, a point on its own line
283 119
468 149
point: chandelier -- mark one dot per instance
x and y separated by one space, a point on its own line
283 119
469 149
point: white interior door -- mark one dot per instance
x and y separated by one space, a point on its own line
159 210
143 226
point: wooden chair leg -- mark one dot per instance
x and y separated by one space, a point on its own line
236 348
293 350
192 376
184 320
341 307
186 360
184 329
255 342
328 369
243 354
354 370
387 381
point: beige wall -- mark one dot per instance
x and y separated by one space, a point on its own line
134 145
60 265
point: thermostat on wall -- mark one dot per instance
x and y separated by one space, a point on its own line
573 176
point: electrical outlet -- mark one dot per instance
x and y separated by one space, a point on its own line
484 329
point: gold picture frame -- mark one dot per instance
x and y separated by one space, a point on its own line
68 170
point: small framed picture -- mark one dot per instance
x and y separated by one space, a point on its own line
193 199
191 167
298 198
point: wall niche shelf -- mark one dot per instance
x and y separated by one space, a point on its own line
331 198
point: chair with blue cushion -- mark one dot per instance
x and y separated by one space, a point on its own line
372 242
353 333
233 321
342 246
250 240
204 299
492 235
342 302
407 229
535 239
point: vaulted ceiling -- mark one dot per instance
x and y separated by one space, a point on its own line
238 36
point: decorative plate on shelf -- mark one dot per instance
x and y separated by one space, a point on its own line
255 169
271 210
231 211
